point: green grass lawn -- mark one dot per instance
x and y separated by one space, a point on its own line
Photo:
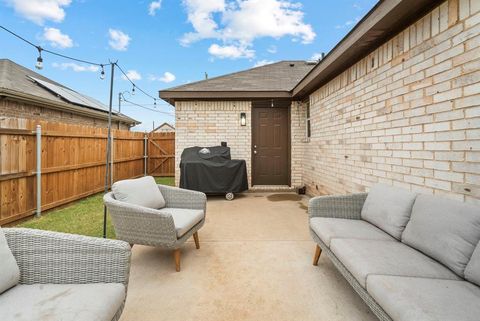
83 217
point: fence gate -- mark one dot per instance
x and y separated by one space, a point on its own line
161 154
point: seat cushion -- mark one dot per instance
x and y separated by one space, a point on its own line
407 298
79 302
366 257
328 228
472 271
140 191
9 271
444 229
184 219
388 208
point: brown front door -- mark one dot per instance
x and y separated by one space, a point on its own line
270 145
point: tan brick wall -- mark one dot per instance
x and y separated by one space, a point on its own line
408 114
13 108
207 123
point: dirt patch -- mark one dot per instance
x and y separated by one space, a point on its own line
284 197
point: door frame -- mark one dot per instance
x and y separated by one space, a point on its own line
285 104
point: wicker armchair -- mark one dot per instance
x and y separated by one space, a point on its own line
57 258
155 227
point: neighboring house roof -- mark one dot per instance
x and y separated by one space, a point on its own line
268 81
22 83
385 20
165 125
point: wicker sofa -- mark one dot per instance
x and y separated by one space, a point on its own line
55 276
409 256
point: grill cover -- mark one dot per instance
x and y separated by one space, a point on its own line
214 172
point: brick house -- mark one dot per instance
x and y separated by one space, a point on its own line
396 101
27 94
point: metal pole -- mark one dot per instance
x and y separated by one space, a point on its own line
145 154
112 156
119 102
107 161
39 171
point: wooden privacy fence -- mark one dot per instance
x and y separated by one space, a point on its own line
72 163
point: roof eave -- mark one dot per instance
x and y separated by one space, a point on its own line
64 107
172 96
383 22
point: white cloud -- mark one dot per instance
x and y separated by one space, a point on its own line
231 51
40 10
118 39
154 6
56 38
263 63
237 23
133 75
166 78
272 49
75 67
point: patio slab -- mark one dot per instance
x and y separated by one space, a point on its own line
254 264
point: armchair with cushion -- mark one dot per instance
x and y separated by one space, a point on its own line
156 215
56 276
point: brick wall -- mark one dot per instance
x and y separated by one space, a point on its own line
17 109
207 123
408 114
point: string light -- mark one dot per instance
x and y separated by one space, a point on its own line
39 64
102 73
144 107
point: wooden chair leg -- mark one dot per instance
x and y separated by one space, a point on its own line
318 252
197 242
176 257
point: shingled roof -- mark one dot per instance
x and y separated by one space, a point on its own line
268 81
19 82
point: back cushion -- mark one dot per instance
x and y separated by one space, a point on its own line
141 191
472 271
9 271
444 229
388 208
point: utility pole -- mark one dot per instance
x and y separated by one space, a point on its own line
119 102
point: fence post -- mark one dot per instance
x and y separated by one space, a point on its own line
145 154
39 170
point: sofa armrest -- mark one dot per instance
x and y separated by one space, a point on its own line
140 225
59 258
337 206
183 198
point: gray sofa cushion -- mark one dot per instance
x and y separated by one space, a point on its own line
366 257
9 271
140 191
79 302
184 219
388 208
444 229
407 299
328 228
472 271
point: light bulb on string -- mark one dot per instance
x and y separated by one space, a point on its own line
102 73
39 64
155 102
133 90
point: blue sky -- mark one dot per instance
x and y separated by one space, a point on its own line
170 42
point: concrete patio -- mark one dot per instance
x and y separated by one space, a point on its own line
255 263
